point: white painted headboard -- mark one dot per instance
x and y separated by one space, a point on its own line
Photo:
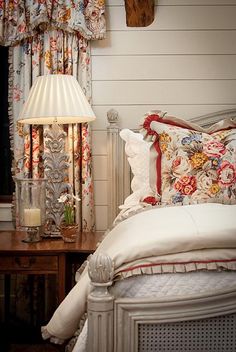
119 176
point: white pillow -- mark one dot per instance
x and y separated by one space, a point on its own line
137 151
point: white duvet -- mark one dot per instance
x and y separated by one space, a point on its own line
181 238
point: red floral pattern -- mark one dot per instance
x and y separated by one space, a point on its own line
186 185
193 166
20 20
58 47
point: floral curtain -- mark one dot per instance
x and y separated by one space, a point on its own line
51 37
23 19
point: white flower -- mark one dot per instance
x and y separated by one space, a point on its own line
63 198
68 200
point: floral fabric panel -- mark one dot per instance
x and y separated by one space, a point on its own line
193 166
53 52
23 19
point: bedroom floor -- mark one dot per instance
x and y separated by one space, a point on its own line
20 328
25 339
34 348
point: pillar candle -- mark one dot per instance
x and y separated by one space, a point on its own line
32 217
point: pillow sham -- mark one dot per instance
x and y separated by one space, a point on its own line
137 151
190 164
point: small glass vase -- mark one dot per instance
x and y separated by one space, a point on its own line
31 206
69 232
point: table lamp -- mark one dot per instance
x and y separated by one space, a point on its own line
54 100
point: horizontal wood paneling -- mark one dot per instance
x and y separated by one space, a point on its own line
164 67
166 42
194 2
179 2
101 218
6 225
131 115
164 92
178 18
100 188
100 167
5 212
184 63
99 143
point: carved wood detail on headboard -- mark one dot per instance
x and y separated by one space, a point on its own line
209 119
119 176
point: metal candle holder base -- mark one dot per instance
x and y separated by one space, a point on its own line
33 234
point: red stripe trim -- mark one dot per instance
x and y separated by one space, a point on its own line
158 167
176 263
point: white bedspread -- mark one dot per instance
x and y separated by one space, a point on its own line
166 234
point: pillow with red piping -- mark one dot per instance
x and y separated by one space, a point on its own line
190 164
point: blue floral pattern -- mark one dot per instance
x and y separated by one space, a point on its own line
192 166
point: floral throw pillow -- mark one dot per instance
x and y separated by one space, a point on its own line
190 164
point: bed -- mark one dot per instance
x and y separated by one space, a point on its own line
164 277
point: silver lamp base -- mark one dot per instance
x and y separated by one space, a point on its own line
56 164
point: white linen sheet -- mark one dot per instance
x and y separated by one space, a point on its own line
166 234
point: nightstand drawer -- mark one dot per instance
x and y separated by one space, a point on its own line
29 263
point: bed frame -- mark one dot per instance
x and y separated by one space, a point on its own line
203 322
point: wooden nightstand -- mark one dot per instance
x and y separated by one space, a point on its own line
49 256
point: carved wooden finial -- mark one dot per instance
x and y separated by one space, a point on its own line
112 116
101 269
100 304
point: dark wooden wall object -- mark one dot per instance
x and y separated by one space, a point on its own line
139 13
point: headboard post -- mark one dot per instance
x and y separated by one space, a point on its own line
100 304
118 185
112 162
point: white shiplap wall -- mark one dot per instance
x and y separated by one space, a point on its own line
184 63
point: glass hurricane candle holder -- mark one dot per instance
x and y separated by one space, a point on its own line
31 205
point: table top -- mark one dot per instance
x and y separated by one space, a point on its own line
11 241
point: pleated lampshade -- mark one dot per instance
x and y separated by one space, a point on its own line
56 99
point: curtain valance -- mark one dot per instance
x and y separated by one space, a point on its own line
22 19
